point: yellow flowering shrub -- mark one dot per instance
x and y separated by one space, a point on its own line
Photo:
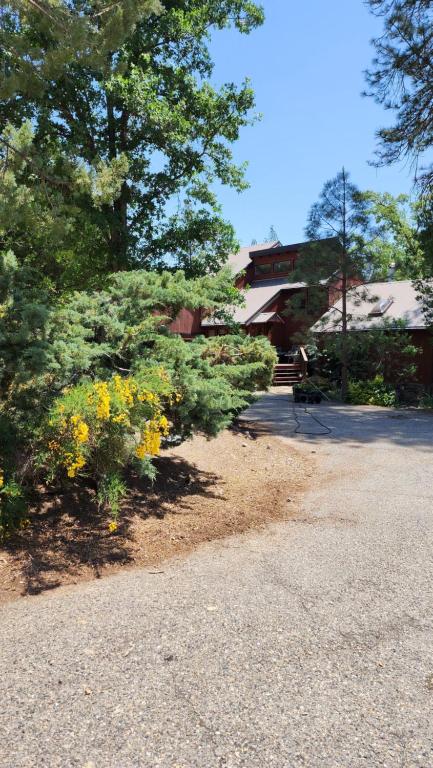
97 427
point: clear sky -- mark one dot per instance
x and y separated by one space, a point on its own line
306 65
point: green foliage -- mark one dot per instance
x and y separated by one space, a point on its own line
215 378
389 353
111 491
94 382
43 347
340 213
372 392
395 244
400 78
426 401
108 122
126 126
12 507
97 428
336 256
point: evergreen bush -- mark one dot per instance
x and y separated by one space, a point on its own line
96 381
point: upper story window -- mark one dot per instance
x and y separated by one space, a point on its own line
282 266
263 269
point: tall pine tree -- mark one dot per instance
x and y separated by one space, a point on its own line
401 80
337 225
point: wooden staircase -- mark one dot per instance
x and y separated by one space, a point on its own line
287 374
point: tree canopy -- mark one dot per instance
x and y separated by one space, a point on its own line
108 116
400 79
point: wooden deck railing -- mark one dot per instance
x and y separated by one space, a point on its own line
304 361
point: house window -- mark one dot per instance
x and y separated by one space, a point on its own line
263 269
282 266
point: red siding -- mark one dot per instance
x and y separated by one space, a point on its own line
187 323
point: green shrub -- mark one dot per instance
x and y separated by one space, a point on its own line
12 507
426 401
373 392
387 352
62 364
216 378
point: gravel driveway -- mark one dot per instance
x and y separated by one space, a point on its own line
309 644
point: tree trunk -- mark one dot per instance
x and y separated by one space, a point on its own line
118 212
344 275
344 338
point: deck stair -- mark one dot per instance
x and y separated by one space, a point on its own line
287 374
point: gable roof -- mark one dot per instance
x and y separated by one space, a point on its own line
266 317
240 260
404 308
257 298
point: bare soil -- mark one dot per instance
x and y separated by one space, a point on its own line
205 490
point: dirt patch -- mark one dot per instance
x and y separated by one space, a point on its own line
205 490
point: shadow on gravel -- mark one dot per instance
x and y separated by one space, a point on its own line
67 531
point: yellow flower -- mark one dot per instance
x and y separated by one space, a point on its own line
112 527
80 430
121 418
150 440
74 466
2 478
163 375
125 388
103 404
164 426
140 451
147 397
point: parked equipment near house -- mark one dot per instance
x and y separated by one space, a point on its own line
305 394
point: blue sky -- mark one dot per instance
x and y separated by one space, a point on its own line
306 65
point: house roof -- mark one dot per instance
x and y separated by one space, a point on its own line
266 317
404 308
257 298
239 261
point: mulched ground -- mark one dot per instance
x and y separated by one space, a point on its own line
205 490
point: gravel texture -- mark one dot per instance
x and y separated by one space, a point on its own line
308 644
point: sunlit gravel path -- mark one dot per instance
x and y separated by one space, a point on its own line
309 644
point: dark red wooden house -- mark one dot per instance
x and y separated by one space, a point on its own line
266 273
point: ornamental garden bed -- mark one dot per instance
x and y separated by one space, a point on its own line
205 490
